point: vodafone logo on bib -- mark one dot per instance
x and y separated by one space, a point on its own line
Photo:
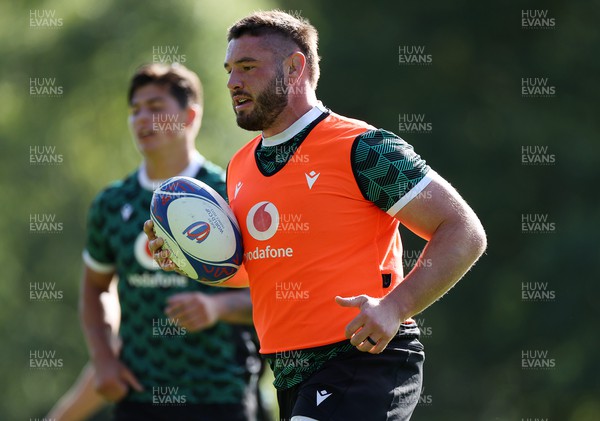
262 221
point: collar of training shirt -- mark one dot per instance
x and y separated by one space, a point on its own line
295 128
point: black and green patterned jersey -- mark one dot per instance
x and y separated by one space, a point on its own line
388 173
207 367
387 169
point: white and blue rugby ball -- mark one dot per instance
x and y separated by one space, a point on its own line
199 229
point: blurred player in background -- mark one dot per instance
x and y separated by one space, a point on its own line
186 353
331 304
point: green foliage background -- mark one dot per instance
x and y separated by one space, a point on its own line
471 93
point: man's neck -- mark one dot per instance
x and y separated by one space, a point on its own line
163 166
299 125
296 108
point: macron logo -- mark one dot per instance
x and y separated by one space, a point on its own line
237 189
321 396
126 211
311 177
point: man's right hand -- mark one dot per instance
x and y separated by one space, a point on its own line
160 256
113 380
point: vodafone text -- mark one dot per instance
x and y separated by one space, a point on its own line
269 253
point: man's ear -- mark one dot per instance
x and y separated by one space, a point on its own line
294 66
193 119
194 114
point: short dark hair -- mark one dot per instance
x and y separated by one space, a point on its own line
183 84
297 29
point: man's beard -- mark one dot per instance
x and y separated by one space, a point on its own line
267 106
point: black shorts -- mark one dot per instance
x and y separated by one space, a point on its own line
136 411
358 386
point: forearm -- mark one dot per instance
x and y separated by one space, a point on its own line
235 306
80 401
95 328
450 253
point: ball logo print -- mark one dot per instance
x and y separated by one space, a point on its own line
198 231
263 221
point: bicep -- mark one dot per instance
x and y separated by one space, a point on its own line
94 285
95 279
436 204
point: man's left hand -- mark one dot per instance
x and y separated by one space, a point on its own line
376 324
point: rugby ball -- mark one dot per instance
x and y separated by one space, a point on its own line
198 228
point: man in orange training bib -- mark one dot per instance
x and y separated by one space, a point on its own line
319 198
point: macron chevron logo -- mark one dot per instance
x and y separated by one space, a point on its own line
311 177
237 189
321 396
126 211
